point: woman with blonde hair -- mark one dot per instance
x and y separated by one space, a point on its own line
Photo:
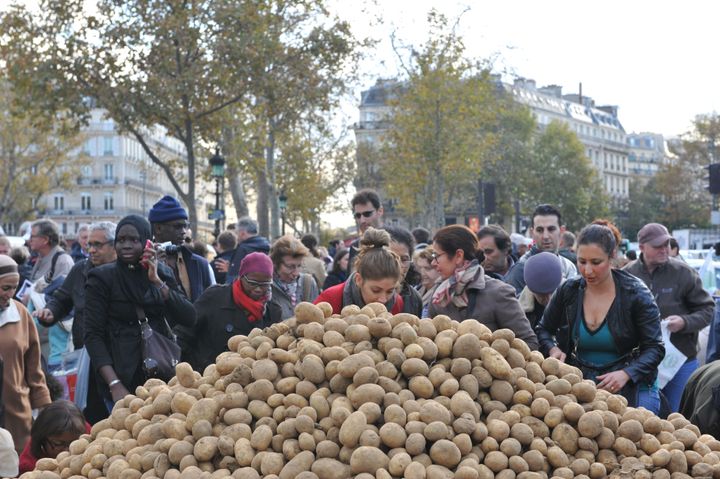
375 279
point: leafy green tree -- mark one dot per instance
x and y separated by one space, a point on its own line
441 125
642 207
559 173
175 67
38 153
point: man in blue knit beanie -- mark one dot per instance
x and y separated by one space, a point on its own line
170 225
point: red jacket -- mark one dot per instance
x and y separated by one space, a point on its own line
334 296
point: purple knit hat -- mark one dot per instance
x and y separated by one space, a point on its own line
256 263
543 273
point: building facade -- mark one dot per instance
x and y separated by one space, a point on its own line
597 128
647 152
120 179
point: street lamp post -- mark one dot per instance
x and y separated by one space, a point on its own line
217 163
282 201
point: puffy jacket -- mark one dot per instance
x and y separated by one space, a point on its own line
634 324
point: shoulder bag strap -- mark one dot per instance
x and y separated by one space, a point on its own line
51 274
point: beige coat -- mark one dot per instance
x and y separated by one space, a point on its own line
24 387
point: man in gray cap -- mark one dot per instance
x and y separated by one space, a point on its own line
678 290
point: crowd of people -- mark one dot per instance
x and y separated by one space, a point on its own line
575 298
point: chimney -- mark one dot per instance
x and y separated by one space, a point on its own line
552 90
525 83
610 109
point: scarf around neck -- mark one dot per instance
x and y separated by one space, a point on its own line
353 295
454 289
255 308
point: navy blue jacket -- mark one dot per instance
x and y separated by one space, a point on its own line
199 273
250 245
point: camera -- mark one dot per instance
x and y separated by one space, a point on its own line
169 248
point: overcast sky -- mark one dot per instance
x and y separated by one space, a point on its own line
656 60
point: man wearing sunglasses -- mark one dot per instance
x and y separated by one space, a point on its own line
367 211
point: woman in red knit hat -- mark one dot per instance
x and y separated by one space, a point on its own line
226 310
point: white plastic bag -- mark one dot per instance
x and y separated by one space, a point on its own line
673 360
83 376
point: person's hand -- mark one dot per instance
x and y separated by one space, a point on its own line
160 253
118 392
150 261
45 316
222 265
557 353
675 323
613 382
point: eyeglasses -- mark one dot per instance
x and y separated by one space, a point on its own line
58 444
366 214
292 267
405 259
97 245
260 285
435 256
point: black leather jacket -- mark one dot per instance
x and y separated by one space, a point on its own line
635 323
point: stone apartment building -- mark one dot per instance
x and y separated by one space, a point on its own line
647 152
597 127
120 180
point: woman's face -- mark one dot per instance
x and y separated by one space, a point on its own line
403 252
8 285
444 262
594 263
128 246
376 290
289 268
256 285
58 443
428 274
344 262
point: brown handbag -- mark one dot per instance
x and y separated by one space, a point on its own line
160 354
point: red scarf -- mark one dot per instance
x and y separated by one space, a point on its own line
254 308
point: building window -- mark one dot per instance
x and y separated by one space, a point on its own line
109 204
64 228
59 202
109 171
107 146
86 171
77 227
85 202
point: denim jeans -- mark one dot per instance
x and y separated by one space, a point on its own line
673 390
649 399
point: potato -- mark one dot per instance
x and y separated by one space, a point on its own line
309 313
495 364
367 459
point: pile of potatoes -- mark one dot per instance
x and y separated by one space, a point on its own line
367 394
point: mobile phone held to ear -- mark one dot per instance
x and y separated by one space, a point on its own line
144 262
